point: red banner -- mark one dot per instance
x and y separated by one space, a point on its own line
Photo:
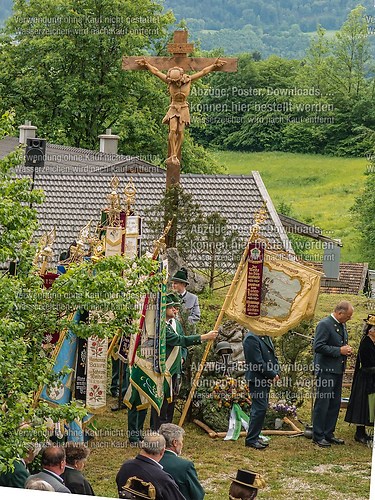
48 279
254 279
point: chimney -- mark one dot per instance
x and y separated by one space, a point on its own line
331 259
108 142
27 131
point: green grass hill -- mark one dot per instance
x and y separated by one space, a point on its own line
319 189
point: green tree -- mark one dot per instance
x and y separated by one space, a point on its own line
351 51
111 289
179 205
24 367
363 212
317 63
17 219
64 71
61 68
225 99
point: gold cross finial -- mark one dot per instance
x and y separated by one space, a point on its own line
130 193
114 204
261 215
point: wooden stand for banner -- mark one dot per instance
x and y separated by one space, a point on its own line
267 432
259 218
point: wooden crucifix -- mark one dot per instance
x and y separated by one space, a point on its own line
179 84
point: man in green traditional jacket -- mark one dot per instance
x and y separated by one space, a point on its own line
183 471
175 340
17 477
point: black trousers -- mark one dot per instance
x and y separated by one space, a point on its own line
327 404
167 409
259 391
165 417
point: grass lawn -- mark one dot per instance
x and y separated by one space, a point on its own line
319 189
294 468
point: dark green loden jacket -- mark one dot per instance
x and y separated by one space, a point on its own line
177 338
17 478
185 475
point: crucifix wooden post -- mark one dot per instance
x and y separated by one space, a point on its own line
179 85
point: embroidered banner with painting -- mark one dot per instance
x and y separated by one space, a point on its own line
289 295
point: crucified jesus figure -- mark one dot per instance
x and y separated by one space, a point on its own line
178 116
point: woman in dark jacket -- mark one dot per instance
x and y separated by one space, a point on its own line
358 411
76 456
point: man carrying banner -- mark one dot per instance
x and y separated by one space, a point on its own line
262 369
175 340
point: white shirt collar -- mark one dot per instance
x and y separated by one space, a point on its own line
156 462
172 322
54 474
171 451
335 319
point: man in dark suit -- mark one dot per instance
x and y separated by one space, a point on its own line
182 470
146 467
76 456
53 465
330 353
262 369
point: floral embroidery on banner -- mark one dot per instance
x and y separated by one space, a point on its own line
96 372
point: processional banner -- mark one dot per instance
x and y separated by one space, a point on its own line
147 372
289 292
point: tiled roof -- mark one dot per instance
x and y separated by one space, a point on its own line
74 196
353 279
71 160
294 226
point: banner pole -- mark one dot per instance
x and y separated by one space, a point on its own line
159 245
254 235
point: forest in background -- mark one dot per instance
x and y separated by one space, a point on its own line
280 27
67 79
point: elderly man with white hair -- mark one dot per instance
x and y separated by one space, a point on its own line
182 470
145 472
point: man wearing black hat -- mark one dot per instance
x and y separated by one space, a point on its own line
245 485
175 340
189 301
